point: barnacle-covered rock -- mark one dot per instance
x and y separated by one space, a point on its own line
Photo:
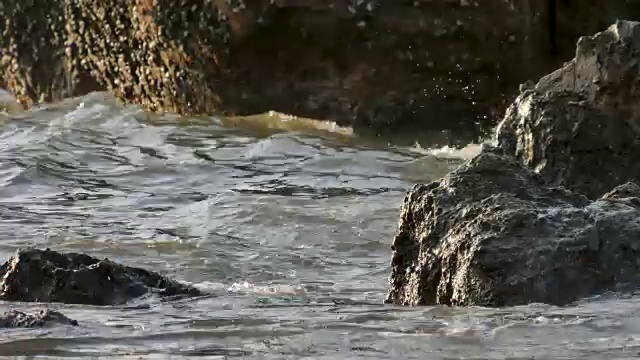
381 64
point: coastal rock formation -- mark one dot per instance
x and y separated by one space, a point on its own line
579 127
494 233
42 318
552 214
368 63
72 278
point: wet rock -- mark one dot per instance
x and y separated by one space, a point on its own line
42 318
36 61
372 63
494 233
579 127
72 278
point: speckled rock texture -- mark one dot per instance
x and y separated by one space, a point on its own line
368 63
72 278
494 233
552 214
38 319
37 63
579 127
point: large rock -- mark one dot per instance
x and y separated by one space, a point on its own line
379 63
579 127
494 233
72 278
37 62
41 318
552 214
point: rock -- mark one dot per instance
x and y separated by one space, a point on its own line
494 233
372 63
579 127
72 278
42 318
37 63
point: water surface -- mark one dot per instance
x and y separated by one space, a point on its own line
288 227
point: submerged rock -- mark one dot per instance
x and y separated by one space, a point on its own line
579 127
42 318
368 63
72 278
494 233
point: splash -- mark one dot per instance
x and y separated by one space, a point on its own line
273 121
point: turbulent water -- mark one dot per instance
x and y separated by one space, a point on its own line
289 230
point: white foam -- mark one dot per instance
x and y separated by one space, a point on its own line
448 152
250 288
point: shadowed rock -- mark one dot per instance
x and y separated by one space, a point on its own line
494 233
42 318
373 63
579 127
72 278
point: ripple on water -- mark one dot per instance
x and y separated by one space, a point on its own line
288 230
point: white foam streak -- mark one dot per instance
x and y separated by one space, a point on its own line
250 288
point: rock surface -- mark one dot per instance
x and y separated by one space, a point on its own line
72 278
579 127
494 233
552 214
368 63
42 318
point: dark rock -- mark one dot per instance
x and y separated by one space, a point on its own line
42 318
579 127
494 233
373 63
536 219
72 278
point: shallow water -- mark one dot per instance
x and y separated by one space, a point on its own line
288 230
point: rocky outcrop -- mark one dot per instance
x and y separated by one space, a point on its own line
551 214
72 278
368 63
42 318
494 233
579 127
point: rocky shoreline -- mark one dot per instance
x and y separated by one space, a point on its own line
372 64
550 215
